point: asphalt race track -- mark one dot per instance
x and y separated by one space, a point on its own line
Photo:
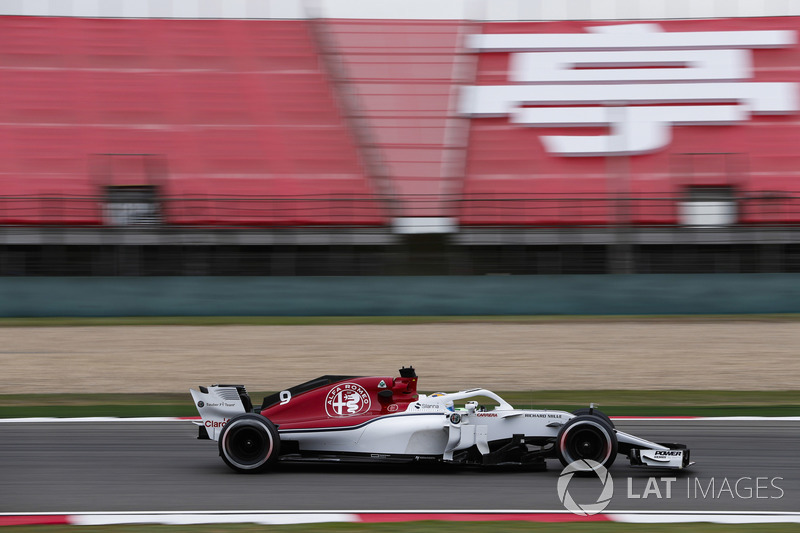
160 466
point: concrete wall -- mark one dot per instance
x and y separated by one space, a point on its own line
354 296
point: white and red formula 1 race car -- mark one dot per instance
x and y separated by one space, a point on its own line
383 419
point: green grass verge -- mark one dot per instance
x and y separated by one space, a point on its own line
344 320
612 402
427 527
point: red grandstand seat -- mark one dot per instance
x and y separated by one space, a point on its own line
230 108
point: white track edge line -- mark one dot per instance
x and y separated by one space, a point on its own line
395 511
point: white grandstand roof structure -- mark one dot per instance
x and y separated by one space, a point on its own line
480 10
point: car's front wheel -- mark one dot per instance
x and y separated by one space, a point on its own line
594 412
249 443
587 437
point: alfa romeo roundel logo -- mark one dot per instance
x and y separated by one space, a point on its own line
347 399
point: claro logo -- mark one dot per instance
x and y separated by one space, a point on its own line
216 423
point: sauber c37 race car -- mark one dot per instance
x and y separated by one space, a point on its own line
384 419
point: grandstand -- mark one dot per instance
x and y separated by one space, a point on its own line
347 138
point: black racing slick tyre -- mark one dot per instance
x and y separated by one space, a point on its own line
595 412
249 443
586 437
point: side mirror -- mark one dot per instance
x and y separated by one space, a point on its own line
385 396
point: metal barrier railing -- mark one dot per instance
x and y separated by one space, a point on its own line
468 210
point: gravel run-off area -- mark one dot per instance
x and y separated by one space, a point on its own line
732 355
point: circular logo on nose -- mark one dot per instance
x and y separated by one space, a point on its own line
201 403
347 399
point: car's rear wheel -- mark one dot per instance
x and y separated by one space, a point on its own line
249 443
586 437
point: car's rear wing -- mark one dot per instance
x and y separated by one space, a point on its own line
218 404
